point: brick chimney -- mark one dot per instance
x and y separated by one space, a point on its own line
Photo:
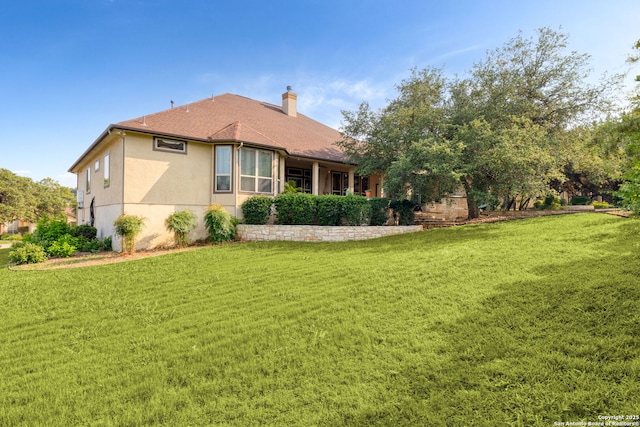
289 102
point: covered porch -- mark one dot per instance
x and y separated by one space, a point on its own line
324 178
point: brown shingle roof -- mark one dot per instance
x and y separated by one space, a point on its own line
231 117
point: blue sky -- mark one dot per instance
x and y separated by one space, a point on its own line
69 68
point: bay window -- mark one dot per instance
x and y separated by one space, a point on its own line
256 170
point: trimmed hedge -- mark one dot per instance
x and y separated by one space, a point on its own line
295 208
257 209
327 210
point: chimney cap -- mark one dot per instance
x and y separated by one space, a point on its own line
289 88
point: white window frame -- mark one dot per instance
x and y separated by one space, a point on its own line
244 177
217 174
107 169
88 180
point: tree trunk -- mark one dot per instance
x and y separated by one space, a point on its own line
472 205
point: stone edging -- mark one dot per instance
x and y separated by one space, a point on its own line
316 233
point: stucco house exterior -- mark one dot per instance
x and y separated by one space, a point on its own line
220 150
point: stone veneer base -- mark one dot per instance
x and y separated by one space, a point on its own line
315 233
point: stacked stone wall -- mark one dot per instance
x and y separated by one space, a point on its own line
313 233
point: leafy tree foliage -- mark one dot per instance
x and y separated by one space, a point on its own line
502 132
22 198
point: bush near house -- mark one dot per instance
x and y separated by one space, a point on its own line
550 202
128 227
403 211
181 224
56 238
295 208
257 210
220 225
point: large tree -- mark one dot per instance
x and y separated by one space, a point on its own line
22 198
501 133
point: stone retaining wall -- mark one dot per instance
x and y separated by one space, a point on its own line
314 233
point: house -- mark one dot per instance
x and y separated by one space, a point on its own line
220 150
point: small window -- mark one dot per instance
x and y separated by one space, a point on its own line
88 184
170 145
96 166
223 168
107 178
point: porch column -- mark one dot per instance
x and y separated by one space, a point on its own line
352 180
382 187
315 179
281 175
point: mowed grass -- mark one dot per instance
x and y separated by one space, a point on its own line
527 322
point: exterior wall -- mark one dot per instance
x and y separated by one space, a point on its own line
314 233
107 196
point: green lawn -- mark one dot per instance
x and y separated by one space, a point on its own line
527 322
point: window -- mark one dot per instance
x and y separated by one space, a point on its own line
170 145
96 166
107 178
88 180
223 168
256 170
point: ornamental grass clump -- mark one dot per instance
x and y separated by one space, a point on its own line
220 225
128 227
181 224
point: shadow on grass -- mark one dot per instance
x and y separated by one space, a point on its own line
560 348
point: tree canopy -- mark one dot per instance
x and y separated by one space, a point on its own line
504 131
22 198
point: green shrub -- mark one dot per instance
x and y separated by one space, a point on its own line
128 227
28 253
403 211
330 210
580 200
221 226
600 205
379 209
356 210
11 237
181 223
550 202
87 231
64 247
257 210
295 208
49 230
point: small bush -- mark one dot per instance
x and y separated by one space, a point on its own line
330 210
403 211
221 226
379 209
181 223
128 227
600 205
295 208
87 231
65 247
49 230
11 237
357 210
28 253
257 210
580 200
550 202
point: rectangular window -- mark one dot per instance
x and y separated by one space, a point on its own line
223 161
256 170
107 178
88 180
96 166
170 145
